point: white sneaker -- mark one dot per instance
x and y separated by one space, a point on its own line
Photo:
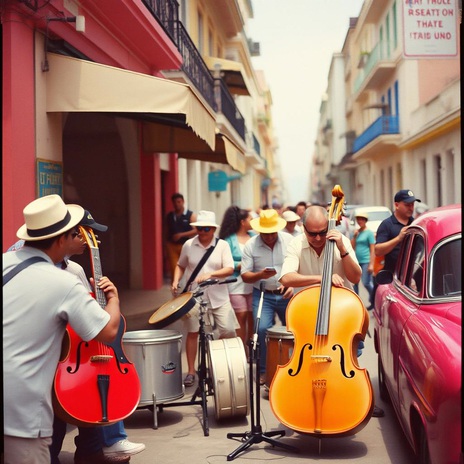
125 447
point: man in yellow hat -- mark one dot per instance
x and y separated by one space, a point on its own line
262 259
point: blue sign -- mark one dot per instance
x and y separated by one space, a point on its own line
49 178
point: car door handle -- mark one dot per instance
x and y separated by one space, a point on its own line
390 298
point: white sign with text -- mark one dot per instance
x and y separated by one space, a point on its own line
430 28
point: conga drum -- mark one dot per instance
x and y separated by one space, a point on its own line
279 343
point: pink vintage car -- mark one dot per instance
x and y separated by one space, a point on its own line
418 336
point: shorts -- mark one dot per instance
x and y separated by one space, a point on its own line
221 319
242 303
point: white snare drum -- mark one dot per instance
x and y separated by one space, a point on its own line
279 349
228 368
156 355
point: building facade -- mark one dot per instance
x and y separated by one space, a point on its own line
401 116
117 105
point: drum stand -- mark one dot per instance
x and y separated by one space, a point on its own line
204 382
256 434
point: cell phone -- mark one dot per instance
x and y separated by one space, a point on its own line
269 269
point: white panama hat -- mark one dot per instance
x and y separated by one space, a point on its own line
48 217
205 219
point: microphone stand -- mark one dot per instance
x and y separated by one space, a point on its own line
256 434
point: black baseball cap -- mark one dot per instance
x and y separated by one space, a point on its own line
89 221
405 195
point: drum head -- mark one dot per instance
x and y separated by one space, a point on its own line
172 310
228 365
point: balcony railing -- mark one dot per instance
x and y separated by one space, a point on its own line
381 126
377 54
166 12
227 106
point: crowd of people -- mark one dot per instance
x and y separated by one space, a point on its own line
271 253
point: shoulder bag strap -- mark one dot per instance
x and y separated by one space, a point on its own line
20 267
199 266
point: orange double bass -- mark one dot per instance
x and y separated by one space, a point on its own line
322 391
95 383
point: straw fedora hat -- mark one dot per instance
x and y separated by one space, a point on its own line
205 219
268 222
48 217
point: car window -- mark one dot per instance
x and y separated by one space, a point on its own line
402 263
415 270
446 269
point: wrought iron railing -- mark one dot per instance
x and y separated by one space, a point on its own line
381 126
227 106
166 13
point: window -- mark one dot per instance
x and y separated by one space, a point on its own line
446 272
415 276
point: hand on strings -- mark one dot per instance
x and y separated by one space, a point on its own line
107 286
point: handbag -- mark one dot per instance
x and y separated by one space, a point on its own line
200 265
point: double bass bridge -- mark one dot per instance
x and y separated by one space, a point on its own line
101 358
321 357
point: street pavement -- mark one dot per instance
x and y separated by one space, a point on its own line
180 437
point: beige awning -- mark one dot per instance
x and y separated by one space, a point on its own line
75 85
170 139
232 72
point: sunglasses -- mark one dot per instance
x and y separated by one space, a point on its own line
75 234
203 229
322 233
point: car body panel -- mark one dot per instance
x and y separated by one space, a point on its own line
417 334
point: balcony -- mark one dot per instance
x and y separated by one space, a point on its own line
214 91
376 67
382 126
225 104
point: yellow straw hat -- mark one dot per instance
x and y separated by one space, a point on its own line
268 222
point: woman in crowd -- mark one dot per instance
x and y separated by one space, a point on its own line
235 230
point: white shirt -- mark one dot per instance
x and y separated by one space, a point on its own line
303 259
190 256
37 304
257 255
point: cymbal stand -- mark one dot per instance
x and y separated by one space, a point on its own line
256 434
204 382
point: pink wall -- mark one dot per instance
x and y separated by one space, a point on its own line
18 148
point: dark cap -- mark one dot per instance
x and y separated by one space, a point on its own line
405 195
89 221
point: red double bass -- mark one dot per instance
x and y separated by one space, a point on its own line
322 391
95 383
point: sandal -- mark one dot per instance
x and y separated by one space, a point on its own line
189 380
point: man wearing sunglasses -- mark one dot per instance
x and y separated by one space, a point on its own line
304 260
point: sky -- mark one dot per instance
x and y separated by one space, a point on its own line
297 40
